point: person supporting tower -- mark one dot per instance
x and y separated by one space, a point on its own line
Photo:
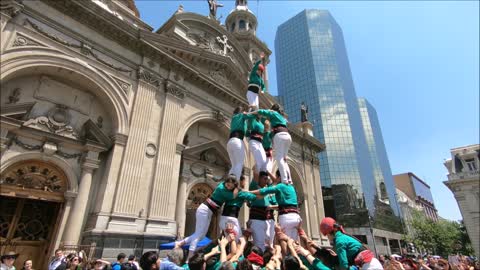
256 84
235 145
267 144
289 215
281 139
255 144
225 191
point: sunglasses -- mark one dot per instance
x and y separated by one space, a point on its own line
10 257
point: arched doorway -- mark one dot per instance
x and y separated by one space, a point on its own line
31 199
198 194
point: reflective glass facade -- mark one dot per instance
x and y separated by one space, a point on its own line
313 67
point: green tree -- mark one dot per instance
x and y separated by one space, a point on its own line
443 237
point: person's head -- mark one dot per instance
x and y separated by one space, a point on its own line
260 70
409 264
176 256
58 253
27 265
238 110
441 265
242 181
9 258
231 182
227 266
244 265
276 107
329 227
98 265
150 260
73 261
267 255
326 256
121 257
291 263
262 179
277 177
197 262
131 257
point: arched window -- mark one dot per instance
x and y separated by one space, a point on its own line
242 25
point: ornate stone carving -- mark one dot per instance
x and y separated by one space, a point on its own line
100 122
51 36
148 77
123 85
35 175
14 96
201 40
220 77
24 41
88 50
175 90
11 7
56 122
226 47
151 150
219 116
49 148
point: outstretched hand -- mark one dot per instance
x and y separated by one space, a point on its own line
262 55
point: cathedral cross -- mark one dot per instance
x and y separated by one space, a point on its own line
226 47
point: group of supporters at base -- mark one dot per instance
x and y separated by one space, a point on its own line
231 252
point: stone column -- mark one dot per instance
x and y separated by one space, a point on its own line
125 203
109 182
165 182
78 213
69 198
8 10
180 213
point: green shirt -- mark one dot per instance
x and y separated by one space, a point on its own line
267 140
316 264
275 117
238 123
285 194
255 78
255 125
263 202
221 194
346 248
242 196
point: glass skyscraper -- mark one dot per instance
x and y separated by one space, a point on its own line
313 67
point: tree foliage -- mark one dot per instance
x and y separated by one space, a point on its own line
443 237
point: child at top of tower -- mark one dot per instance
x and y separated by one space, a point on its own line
256 83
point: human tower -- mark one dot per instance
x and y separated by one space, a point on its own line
269 140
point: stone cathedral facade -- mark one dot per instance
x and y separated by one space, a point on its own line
113 133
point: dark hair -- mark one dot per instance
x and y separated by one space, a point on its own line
257 250
231 179
131 257
148 259
277 173
267 255
238 109
58 249
228 265
121 256
326 257
70 260
196 261
291 263
276 107
244 265
263 173
248 248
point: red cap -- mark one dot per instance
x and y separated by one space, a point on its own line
261 68
327 225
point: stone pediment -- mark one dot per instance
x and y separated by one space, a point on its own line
17 111
206 34
91 132
212 152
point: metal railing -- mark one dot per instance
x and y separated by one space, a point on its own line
89 250
464 175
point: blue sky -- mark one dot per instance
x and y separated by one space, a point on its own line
416 62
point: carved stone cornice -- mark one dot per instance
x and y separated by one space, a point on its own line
120 139
175 90
149 77
11 7
180 148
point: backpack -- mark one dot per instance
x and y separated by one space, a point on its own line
129 266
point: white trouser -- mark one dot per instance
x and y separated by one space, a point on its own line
372 265
269 164
263 232
289 223
236 225
236 153
281 144
252 99
258 152
203 217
